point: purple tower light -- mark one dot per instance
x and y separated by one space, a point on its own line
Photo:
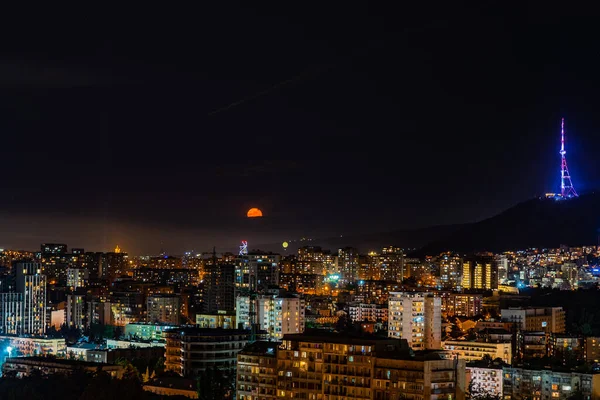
566 186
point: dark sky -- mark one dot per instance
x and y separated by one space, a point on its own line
159 128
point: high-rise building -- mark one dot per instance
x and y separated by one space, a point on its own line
480 272
276 315
114 265
257 358
163 308
218 292
451 271
32 284
98 312
190 351
75 311
416 317
348 264
389 264
463 305
256 271
314 260
77 277
11 313
326 365
502 269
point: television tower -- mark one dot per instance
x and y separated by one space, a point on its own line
566 186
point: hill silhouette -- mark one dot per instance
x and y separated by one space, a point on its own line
534 223
537 222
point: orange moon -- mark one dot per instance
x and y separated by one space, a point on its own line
254 213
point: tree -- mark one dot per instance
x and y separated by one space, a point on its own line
159 368
344 324
456 332
215 384
118 332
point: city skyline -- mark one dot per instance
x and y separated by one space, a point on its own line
141 136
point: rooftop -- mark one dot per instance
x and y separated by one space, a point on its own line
60 361
194 331
261 348
174 382
320 335
490 364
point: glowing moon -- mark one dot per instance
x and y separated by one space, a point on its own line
254 213
285 245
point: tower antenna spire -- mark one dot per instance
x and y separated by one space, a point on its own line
566 186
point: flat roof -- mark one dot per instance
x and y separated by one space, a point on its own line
261 348
334 337
60 361
188 330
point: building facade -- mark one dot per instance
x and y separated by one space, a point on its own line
332 367
256 375
480 272
276 315
475 350
548 320
163 308
416 317
190 351
536 384
75 311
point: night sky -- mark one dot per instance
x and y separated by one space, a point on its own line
158 128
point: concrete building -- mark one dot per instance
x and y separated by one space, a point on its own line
163 308
277 315
218 288
542 384
426 376
566 347
325 365
475 350
33 346
11 313
480 272
485 377
548 320
23 312
451 271
77 278
463 305
24 366
256 271
192 350
32 283
221 319
146 331
75 311
592 349
257 371
532 344
348 264
416 317
361 312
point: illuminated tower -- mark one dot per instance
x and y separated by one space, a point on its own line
566 186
